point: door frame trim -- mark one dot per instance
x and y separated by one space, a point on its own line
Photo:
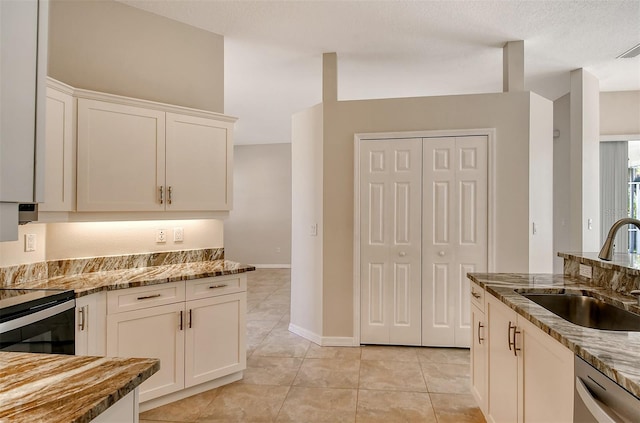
490 133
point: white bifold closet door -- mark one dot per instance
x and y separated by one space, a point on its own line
454 242
423 227
390 243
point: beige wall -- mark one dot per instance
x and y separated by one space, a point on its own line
620 113
91 239
540 185
107 46
12 252
307 192
561 181
258 229
509 113
584 160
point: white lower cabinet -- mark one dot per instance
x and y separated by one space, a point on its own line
530 376
196 340
479 356
125 410
91 324
211 320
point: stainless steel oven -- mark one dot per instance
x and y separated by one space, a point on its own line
599 399
37 320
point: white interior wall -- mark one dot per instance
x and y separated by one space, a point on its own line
258 229
540 185
584 118
561 182
306 210
620 113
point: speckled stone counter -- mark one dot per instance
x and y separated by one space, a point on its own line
614 353
88 283
66 388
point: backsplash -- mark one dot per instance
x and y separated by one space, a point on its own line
14 275
622 274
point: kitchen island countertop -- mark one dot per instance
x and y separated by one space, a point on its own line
614 353
66 388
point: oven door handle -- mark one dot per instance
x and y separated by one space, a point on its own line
597 409
36 317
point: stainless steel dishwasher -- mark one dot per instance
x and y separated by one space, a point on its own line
599 399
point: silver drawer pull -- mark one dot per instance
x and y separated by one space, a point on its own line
220 285
146 297
475 294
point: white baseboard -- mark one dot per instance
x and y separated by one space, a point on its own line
272 266
323 341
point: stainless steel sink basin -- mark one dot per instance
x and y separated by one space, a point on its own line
587 311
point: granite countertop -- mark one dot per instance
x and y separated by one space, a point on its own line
614 353
88 283
41 387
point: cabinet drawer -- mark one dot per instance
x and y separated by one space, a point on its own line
144 297
212 287
477 295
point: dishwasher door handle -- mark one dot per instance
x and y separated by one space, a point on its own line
598 410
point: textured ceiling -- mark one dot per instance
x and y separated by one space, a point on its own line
273 49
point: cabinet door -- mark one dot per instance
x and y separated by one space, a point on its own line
155 332
547 377
199 163
19 59
215 338
59 194
503 363
91 324
479 358
121 156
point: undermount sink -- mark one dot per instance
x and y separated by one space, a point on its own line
586 311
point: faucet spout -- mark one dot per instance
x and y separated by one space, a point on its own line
606 253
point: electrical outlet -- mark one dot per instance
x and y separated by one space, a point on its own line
161 236
586 271
178 235
29 242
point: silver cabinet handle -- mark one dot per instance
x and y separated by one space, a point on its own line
180 320
515 332
169 195
475 294
161 189
81 314
509 334
146 297
480 339
190 318
220 285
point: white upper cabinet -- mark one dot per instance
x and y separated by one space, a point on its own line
139 156
199 156
120 157
23 67
60 190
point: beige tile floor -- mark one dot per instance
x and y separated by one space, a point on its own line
290 379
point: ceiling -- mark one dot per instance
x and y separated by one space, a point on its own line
273 49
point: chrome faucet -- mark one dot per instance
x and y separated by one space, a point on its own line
606 253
